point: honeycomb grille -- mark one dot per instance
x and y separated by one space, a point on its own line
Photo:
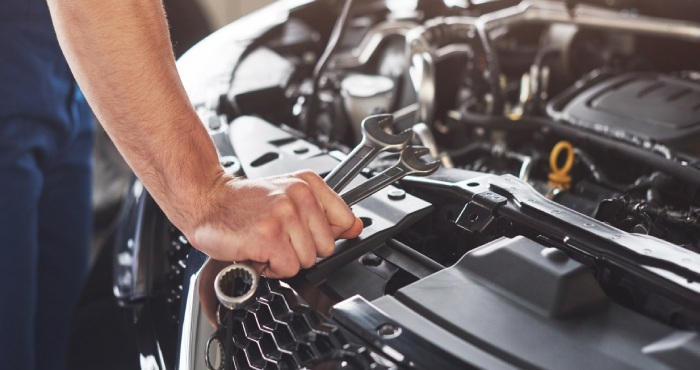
176 254
278 330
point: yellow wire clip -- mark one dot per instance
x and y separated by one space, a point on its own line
559 177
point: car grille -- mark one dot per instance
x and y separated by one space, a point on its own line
279 331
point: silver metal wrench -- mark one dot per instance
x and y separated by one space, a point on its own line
374 141
409 164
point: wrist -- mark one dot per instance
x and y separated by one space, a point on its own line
198 200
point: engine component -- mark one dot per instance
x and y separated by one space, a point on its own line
559 177
487 284
641 107
425 47
261 79
371 42
364 95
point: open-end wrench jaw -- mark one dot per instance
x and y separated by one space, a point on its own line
374 133
411 158
374 140
410 163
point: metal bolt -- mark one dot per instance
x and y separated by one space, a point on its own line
397 194
389 331
371 259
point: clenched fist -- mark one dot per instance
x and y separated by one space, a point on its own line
286 221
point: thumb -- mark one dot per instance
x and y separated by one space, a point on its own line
352 232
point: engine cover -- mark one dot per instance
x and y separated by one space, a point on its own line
646 106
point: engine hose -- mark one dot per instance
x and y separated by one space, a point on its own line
642 155
542 54
476 147
655 161
598 175
494 69
309 121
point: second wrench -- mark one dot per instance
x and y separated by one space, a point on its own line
374 141
409 164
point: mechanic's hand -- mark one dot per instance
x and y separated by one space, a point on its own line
286 221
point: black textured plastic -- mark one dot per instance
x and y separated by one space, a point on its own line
176 253
277 330
641 106
534 307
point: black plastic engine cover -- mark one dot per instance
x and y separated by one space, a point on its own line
516 301
646 106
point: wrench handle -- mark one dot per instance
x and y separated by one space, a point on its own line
350 167
374 184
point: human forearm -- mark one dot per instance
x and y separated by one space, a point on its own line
119 52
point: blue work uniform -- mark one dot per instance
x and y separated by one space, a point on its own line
46 135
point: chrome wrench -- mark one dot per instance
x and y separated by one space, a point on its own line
409 164
374 141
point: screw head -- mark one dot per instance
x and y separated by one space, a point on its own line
397 194
389 331
371 259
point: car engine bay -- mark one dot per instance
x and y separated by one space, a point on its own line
561 231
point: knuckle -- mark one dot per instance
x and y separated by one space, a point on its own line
306 173
312 177
299 189
309 202
284 208
267 227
